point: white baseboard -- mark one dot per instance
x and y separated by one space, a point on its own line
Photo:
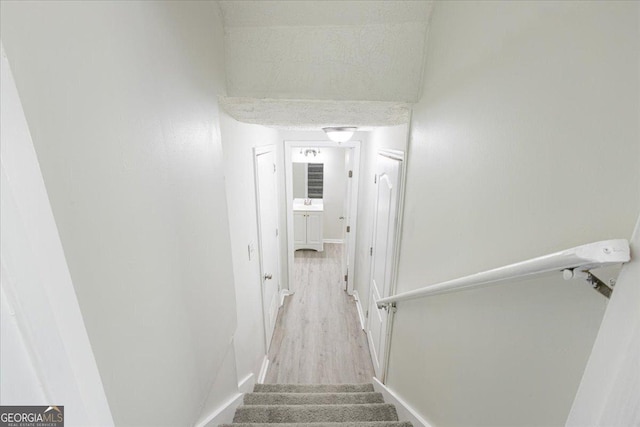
405 412
246 385
338 241
263 370
284 293
356 296
223 414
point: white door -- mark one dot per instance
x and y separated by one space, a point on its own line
388 173
267 201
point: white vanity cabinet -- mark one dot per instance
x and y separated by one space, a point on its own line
307 227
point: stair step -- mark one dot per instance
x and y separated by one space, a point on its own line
313 388
311 398
315 413
349 424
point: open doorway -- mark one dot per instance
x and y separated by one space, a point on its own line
321 198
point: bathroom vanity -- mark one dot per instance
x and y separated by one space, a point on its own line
307 224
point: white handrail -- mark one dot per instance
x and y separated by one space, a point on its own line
582 258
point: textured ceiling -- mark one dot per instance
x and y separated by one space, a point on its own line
327 12
323 50
313 115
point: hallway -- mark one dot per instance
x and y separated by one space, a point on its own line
318 338
134 288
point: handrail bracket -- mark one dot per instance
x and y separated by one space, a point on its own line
388 306
592 279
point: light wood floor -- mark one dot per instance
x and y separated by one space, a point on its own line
318 338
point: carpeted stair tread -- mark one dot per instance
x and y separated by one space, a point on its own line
315 413
311 398
313 388
347 424
315 405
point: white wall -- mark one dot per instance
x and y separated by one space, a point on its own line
121 102
238 140
391 137
526 142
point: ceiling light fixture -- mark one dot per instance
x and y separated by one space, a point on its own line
314 151
339 134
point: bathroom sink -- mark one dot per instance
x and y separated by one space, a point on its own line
316 205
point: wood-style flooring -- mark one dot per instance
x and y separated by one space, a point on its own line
318 338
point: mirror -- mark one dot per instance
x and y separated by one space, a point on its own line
308 180
299 180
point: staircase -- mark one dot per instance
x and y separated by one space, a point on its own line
315 405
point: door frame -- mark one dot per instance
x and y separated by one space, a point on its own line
257 151
288 146
401 156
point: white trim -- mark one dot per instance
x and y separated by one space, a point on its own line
405 411
392 154
263 149
263 370
353 206
356 297
224 413
288 146
246 384
35 276
283 294
336 241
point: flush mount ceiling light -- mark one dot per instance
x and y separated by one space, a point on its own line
339 134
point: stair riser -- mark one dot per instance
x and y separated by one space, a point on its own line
313 388
311 398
